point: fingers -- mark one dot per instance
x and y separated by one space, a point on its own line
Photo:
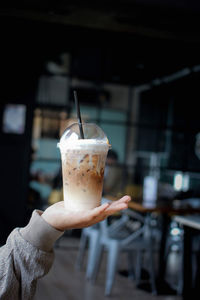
110 208
123 202
118 205
125 198
100 209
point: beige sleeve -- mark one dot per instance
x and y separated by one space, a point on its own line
26 256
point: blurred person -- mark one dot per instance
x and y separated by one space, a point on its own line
56 194
112 175
28 253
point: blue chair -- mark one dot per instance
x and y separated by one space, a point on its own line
114 239
90 237
89 240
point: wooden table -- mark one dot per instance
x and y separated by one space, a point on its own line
163 208
191 225
166 211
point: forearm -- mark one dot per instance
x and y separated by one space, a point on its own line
28 253
27 256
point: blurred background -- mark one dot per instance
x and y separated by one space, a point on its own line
136 68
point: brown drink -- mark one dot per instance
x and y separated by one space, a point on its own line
83 162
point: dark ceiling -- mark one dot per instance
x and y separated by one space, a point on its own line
148 39
166 19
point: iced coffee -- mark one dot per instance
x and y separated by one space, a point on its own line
83 162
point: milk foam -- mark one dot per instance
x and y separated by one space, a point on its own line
84 144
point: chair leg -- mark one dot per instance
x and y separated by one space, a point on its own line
98 259
112 260
131 272
81 252
138 268
93 246
180 277
152 272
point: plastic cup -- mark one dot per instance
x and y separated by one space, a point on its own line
83 163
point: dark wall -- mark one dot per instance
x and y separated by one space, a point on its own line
20 66
170 112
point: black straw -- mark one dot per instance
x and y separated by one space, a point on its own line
78 115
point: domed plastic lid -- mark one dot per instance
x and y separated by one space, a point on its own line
93 135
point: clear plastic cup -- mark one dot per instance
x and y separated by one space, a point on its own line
83 163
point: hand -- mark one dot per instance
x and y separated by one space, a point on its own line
61 218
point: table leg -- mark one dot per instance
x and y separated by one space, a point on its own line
197 277
165 222
163 287
191 290
187 262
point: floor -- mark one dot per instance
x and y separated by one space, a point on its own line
65 282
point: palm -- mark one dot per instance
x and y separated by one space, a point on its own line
61 218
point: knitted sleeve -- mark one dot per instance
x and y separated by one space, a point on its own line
26 256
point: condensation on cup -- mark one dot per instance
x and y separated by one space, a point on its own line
83 163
